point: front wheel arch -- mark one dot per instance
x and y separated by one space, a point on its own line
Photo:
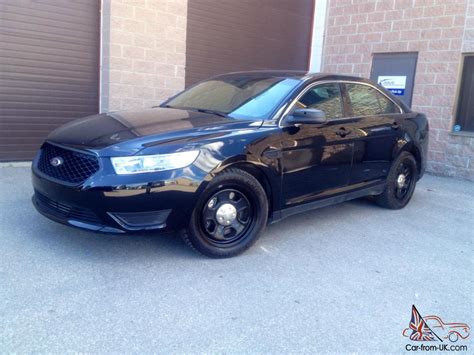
262 178
261 173
196 235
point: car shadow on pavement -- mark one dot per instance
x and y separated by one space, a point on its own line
95 245
81 244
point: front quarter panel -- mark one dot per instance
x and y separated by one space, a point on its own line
231 148
251 150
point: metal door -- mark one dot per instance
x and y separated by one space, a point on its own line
317 158
233 35
316 161
49 70
395 72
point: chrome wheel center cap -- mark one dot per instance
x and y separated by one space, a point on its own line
226 214
401 180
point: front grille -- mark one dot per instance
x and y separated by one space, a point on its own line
64 211
75 168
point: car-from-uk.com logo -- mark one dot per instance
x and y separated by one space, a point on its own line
441 335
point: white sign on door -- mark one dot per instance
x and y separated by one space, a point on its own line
395 84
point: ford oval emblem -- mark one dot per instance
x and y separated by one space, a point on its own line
56 161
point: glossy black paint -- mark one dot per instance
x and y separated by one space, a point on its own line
300 167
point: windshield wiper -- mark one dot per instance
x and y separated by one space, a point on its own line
218 113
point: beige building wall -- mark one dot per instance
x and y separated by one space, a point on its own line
143 52
440 31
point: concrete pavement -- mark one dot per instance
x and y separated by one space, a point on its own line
338 279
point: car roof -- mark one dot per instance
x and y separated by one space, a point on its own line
308 76
294 74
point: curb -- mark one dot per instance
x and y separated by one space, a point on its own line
16 164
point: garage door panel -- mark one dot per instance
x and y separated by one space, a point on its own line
28 93
77 7
22 133
24 104
40 74
27 120
44 24
214 19
69 111
14 52
41 63
41 82
7 141
44 126
13 94
35 43
19 155
51 113
244 35
15 135
49 69
26 146
45 14
72 9
48 32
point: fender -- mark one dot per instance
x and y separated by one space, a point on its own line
267 174
415 141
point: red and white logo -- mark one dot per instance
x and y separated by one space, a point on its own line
433 328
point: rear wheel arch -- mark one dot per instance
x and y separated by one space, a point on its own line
401 182
417 154
411 148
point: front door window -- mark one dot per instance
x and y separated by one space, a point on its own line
324 97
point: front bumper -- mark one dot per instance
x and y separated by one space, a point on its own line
112 203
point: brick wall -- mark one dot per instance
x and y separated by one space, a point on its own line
439 30
468 36
143 52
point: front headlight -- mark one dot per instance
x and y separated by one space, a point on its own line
153 163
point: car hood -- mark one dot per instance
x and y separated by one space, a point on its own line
128 132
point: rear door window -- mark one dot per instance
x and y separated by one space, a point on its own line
367 101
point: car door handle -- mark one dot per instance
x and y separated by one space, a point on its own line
395 125
342 132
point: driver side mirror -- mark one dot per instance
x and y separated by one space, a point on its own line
307 116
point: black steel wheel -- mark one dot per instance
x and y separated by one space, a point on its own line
404 177
226 216
229 216
401 182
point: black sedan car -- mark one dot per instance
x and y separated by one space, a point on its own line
220 160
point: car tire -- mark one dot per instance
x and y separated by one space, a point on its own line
229 216
453 337
401 182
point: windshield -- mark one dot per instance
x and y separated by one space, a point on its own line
243 97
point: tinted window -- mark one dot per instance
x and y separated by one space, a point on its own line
324 97
246 97
366 101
